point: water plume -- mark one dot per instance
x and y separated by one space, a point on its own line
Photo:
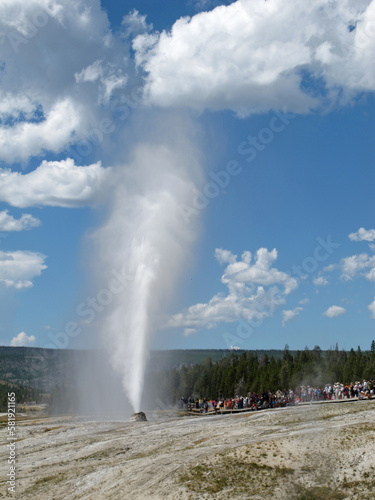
146 240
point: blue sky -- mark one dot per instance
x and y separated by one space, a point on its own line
230 158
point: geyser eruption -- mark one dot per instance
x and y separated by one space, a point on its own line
145 243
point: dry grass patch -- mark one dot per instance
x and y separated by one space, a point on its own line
233 475
318 493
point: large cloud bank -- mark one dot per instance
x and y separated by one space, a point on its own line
72 64
255 55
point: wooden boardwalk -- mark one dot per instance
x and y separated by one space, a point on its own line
226 411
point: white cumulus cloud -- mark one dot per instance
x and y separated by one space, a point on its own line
134 23
358 265
27 139
371 308
16 105
287 315
54 183
255 289
320 281
189 331
18 268
109 77
22 340
363 235
334 311
9 223
258 273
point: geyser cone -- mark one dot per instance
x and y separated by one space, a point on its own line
138 417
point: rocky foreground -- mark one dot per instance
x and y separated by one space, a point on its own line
322 451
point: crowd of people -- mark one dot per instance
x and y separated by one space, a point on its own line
338 391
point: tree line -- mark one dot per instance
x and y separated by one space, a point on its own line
24 394
239 374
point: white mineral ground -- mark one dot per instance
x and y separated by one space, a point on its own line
320 450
